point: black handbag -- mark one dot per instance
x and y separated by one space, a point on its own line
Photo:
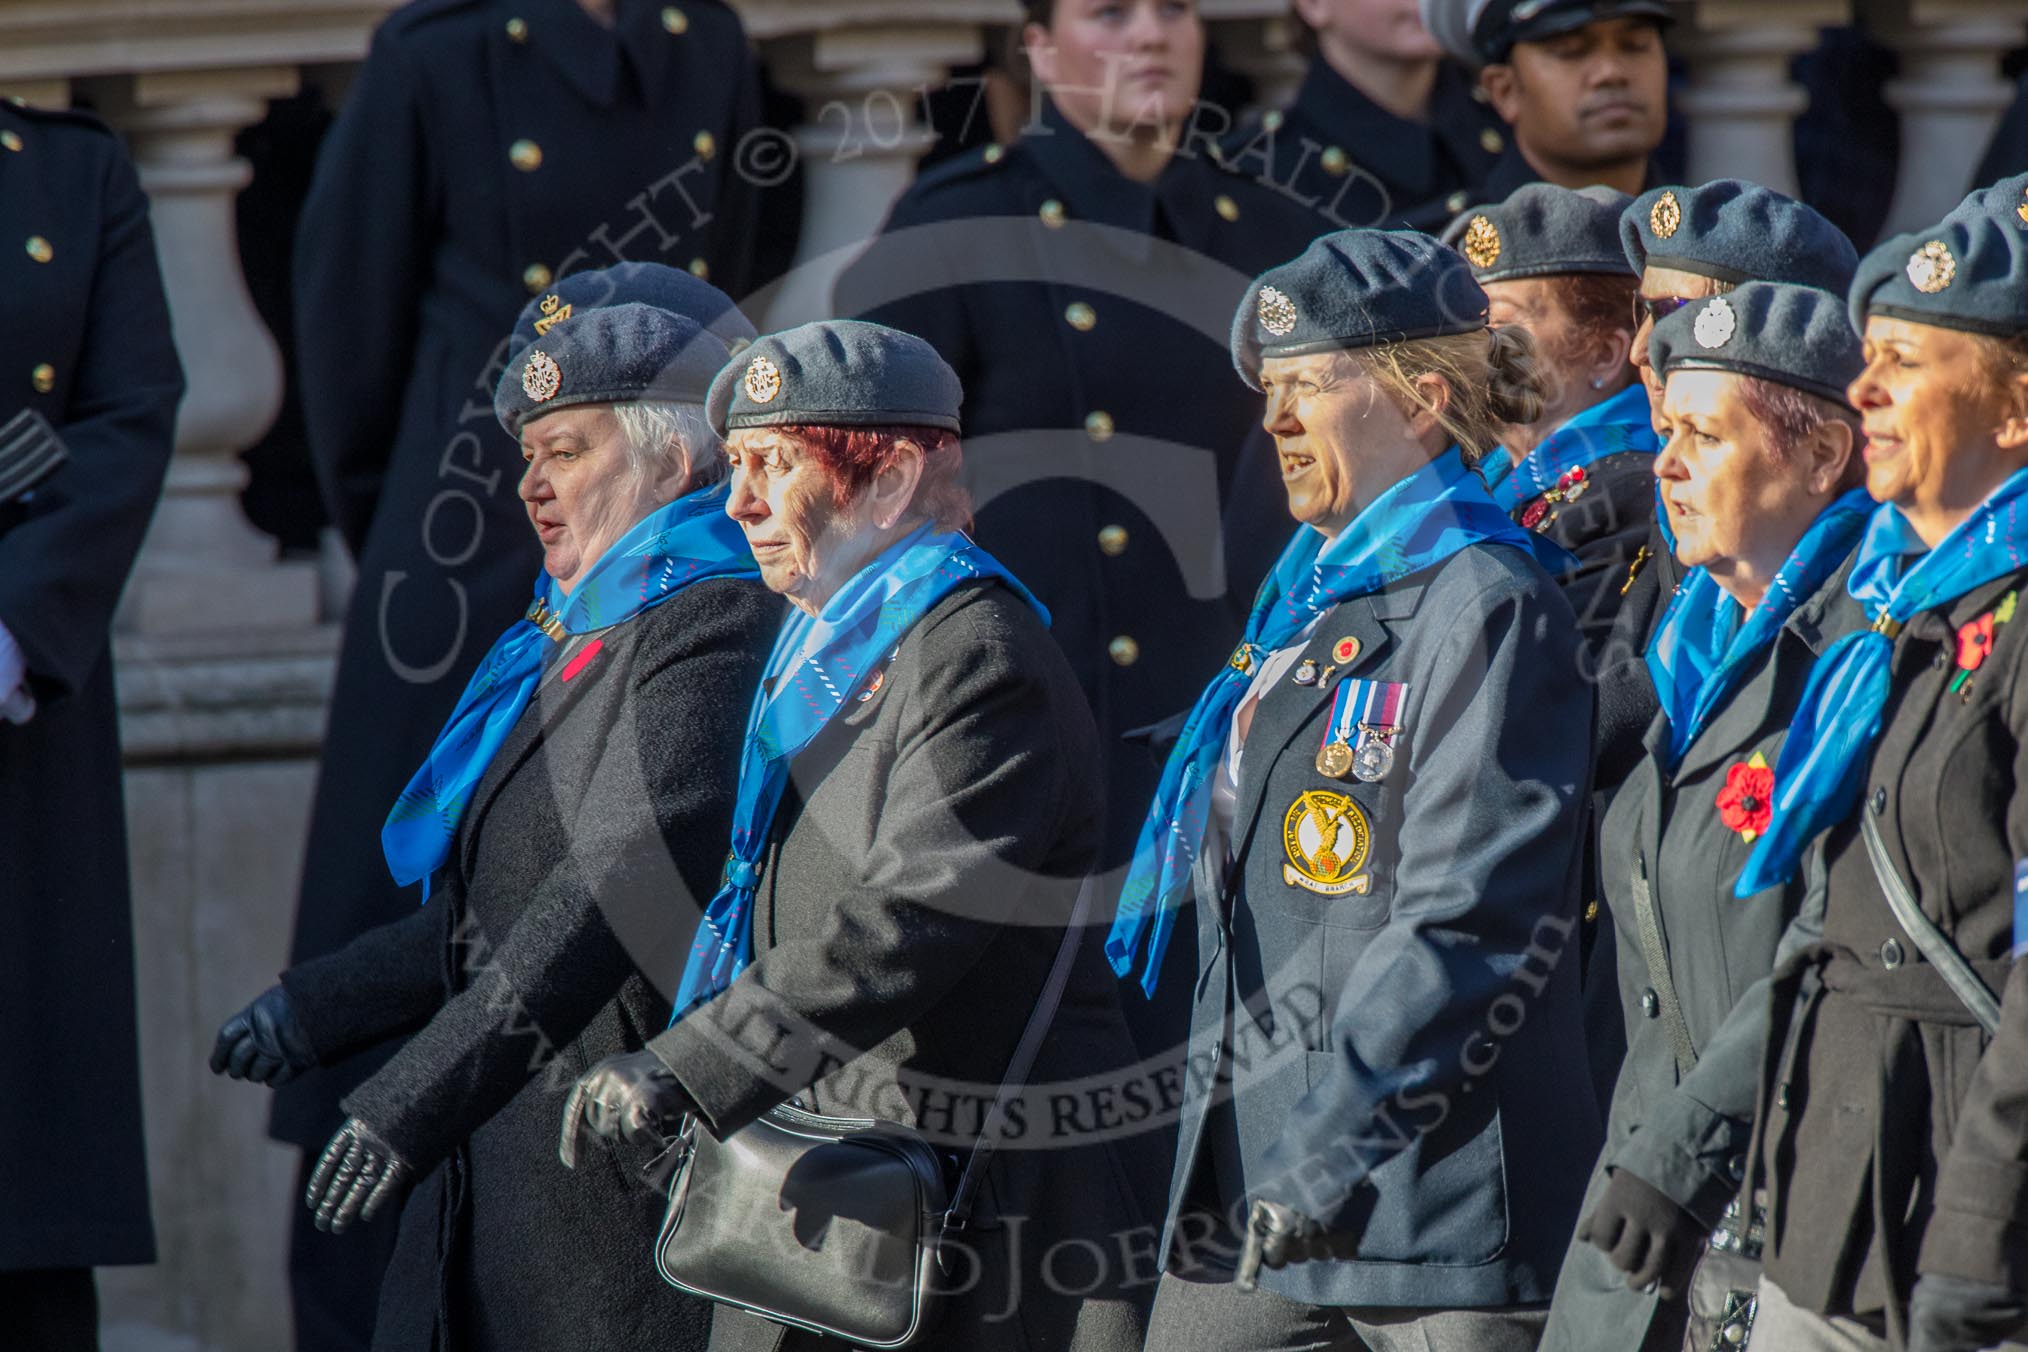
835 1225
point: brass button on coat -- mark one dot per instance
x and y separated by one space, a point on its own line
10 140
517 30
536 277
675 20
43 378
1098 425
525 155
1080 316
995 153
1456 202
705 144
1124 651
1272 120
1052 214
700 269
1112 541
39 249
1226 207
1492 142
1335 161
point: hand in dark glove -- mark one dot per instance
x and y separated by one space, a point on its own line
356 1175
1953 1314
264 1042
628 1097
1644 1234
1277 1235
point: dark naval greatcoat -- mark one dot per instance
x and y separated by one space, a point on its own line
1106 434
1893 1137
1681 1120
87 345
1401 1020
486 147
910 907
550 938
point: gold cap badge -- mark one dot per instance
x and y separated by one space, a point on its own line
541 377
1665 216
2022 210
554 312
1482 242
1716 323
1931 268
763 381
1277 312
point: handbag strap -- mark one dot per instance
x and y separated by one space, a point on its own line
1663 983
966 1193
1943 955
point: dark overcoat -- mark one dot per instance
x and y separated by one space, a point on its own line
484 147
1338 152
1412 1043
88 346
1669 853
913 899
548 943
1105 431
1893 1135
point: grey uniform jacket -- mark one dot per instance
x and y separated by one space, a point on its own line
1407 1051
913 898
1668 851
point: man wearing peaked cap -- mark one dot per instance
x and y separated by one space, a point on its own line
1582 85
657 284
1762 476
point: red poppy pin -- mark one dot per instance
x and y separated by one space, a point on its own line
1975 639
1747 800
583 658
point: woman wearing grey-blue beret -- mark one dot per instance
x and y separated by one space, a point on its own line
900 909
1892 1137
1376 808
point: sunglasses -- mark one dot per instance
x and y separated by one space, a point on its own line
1653 309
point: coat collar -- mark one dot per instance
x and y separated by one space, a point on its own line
595 60
1400 152
1085 180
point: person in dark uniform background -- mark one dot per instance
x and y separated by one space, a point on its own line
1760 474
1583 86
89 349
487 147
1892 1131
1385 130
1080 280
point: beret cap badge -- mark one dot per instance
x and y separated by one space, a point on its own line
1932 268
1716 323
1665 216
763 381
1277 312
554 312
1482 243
541 377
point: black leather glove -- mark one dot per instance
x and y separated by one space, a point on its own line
1277 1235
354 1178
630 1097
1954 1314
1644 1234
264 1042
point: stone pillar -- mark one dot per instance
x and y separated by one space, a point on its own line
863 89
1741 104
1949 94
204 566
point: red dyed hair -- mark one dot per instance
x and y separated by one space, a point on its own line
851 456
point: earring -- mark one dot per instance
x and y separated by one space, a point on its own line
1598 382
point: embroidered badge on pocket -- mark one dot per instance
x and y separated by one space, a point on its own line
1326 838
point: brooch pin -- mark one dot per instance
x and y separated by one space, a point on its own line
1975 641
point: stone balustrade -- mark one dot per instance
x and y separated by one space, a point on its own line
227 652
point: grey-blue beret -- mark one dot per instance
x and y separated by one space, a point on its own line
1969 271
1734 231
1792 335
837 373
1355 288
1478 31
1543 230
655 284
614 355
2007 199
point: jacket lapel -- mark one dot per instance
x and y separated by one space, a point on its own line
1287 709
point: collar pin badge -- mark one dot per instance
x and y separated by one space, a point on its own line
1306 673
1345 650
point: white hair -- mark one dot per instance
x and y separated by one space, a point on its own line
660 435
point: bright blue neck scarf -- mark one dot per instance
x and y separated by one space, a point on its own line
1416 524
1606 428
1706 643
687 541
818 664
1895 578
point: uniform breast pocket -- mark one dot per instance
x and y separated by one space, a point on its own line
1328 855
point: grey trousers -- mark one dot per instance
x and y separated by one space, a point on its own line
1779 1326
1214 1316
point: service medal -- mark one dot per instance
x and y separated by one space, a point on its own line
1334 759
1373 759
1359 734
